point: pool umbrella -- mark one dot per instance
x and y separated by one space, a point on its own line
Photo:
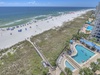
71 41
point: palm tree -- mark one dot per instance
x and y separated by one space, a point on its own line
86 71
94 66
62 73
98 60
68 71
79 36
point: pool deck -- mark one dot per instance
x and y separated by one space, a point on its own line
76 65
64 59
83 29
87 64
72 47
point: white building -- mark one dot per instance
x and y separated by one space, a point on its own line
96 29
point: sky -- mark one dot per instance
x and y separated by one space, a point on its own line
71 3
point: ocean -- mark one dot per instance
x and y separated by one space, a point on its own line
12 16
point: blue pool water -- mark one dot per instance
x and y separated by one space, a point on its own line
89 28
68 65
83 54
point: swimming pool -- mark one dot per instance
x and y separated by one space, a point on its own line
89 28
83 54
68 65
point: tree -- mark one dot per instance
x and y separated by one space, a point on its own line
86 71
44 73
98 60
79 36
83 35
62 73
94 66
68 71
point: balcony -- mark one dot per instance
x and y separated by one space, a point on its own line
98 37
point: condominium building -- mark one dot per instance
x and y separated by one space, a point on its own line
96 29
97 9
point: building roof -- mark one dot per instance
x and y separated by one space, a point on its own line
97 47
91 44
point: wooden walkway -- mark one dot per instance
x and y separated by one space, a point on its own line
41 55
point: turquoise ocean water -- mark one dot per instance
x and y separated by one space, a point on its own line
12 16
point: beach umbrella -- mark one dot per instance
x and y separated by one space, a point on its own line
71 41
20 30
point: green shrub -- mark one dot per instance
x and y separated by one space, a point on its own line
62 73
68 71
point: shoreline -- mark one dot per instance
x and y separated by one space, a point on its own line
25 21
10 37
34 19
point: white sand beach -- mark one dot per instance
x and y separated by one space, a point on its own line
10 37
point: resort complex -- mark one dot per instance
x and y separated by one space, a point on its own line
56 42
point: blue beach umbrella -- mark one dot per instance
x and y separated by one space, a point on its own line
71 41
